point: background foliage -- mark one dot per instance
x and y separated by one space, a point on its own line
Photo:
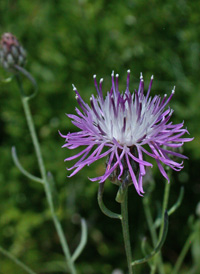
67 42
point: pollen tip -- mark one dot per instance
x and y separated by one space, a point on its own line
117 75
141 76
128 70
165 95
112 74
101 80
94 76
74 88
152 77
76 97
173 90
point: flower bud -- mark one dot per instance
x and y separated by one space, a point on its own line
11 52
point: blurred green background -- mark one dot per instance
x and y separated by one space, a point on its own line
67 42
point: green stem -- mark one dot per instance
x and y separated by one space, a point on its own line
159 245
23 171
83 241
31 79
154 237
150 221
44 177
164 208
102 206
183 254
125 229
16 261
173 208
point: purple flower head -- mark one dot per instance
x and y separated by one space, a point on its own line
128 125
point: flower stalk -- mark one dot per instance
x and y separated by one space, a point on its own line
125 230
154 237
25 103
158 261
164 206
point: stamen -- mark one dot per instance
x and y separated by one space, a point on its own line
113 81
96 86
100 89
117 86
149 89
93 108
74 88
128 79
141 86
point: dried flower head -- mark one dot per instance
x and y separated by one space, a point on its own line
128 125
11 52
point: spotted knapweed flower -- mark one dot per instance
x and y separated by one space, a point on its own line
128 125
11 52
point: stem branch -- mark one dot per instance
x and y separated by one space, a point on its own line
16 261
